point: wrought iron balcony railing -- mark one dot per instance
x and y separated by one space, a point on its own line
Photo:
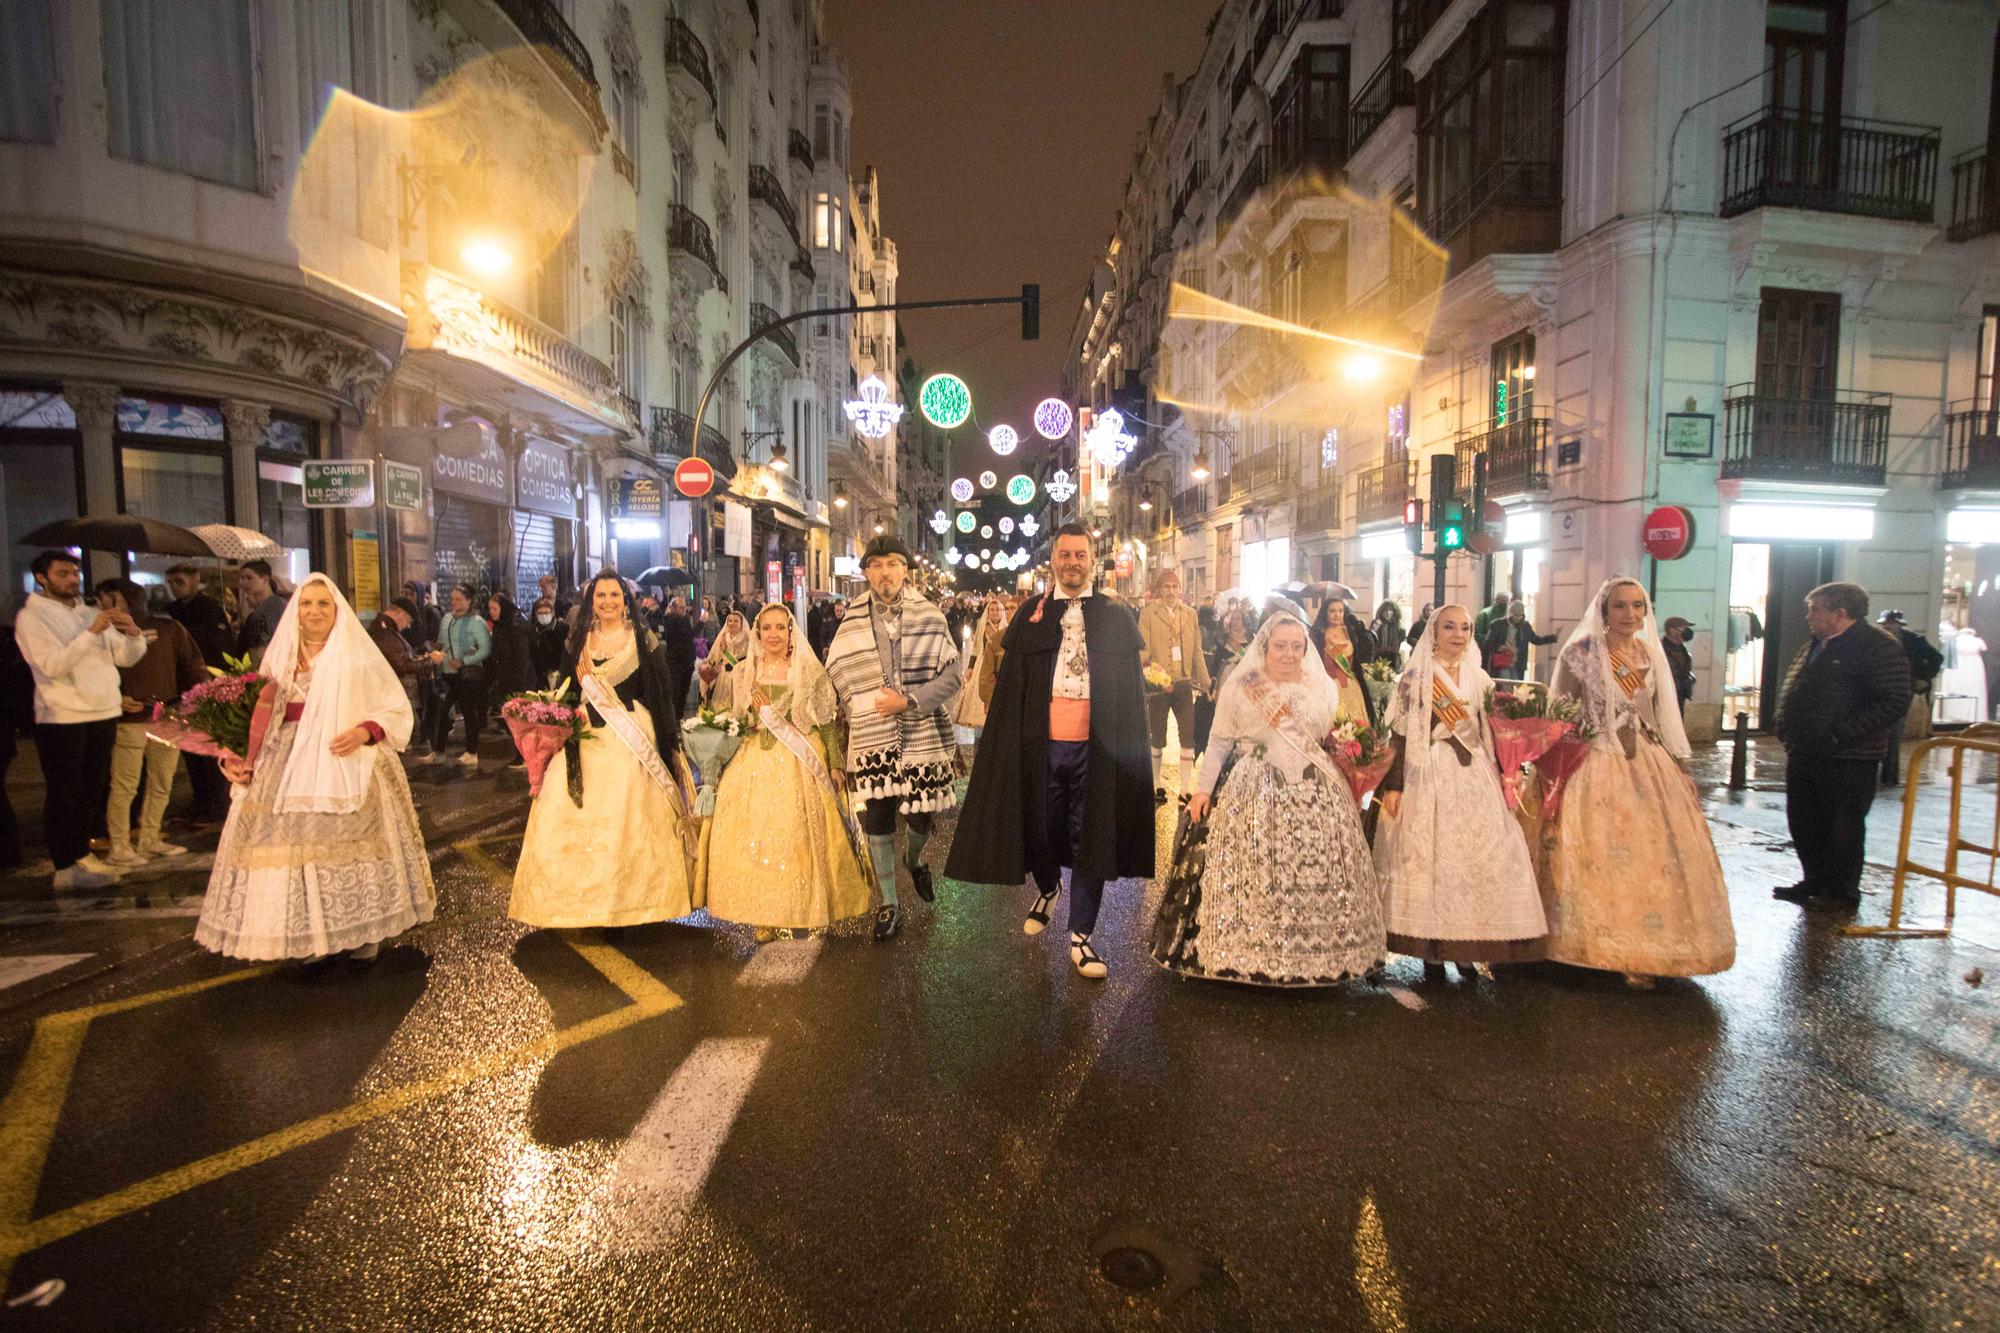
782 339
1516 453
688 235
543 25
1971 447
1252 180
765 190
1318 510
1870 168
687 58
1843 438
801 148
1381 492
1975 196
1191 504
803 265
672 435
1389 87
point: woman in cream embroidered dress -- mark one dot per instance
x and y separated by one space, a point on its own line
624 855
321 852
1288 894
1630 875
1457 884
779 853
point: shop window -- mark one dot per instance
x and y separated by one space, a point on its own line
180 87
186 421
177 486
40 482
281 509
291 435
35 409
27 92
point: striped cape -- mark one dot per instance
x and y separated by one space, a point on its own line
910 755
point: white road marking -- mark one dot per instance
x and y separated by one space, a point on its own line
781 962
26 967
1409 999
23 914
666 1159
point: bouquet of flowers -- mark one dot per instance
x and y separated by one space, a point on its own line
1527 722
1362 755
1157 677
213 718
1378 677
710 738
543 723
1555 767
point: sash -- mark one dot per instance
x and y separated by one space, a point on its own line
1631 679
1275 712
1446 705
619 722
801 748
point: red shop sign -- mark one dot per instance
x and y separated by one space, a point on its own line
694 478
1669 532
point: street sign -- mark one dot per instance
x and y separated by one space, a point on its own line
638 498
402 485
339 483
694 478
1668 532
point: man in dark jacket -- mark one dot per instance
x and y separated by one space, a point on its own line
1674 634
207 623
676 632
1925 663
1844 694
387 631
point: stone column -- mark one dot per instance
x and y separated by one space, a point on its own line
96 408
243 424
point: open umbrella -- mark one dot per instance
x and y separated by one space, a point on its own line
227 543
665 576
117 532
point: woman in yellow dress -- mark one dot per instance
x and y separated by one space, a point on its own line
619 851
782 850
1629 873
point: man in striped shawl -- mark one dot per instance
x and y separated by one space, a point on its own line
895 667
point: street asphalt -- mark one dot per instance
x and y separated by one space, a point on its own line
503 1128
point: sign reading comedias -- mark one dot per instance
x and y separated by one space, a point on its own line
1668 532
694 478
339 483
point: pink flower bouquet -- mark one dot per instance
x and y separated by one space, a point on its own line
542 724
1555 768
213 718
1526 725
1360 755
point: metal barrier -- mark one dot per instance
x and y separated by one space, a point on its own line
1982 738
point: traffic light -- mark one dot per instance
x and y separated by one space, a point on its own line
1451 527
1031 312
1413 525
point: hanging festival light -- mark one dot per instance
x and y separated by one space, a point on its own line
961 490
1002 439
987 481
945 401
1029 525
966 521
1108 440
1053 419
952 556
1021 489
986 531
1060 488
940 523
873 415
1006 526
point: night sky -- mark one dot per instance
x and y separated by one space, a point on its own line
1003 131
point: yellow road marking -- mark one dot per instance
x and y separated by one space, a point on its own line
34 1103
1374 1273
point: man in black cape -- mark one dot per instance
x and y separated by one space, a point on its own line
1063 775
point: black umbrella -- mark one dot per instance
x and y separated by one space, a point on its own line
665 576
119 532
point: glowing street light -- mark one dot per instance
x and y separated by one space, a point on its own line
486 256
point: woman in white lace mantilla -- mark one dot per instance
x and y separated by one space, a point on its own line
1457 883
1288 895
620 851
321 852
1629 873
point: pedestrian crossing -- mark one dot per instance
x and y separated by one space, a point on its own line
19 968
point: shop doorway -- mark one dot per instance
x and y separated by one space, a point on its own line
1768 583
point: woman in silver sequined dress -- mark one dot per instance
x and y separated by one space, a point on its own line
1288 895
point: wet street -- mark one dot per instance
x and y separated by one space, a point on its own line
674 1128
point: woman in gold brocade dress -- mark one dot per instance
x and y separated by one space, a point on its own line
781 852
1629 874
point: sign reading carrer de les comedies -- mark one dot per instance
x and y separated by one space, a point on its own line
338 483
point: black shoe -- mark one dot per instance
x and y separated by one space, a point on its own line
1159 796
1795 893
888 921
920 876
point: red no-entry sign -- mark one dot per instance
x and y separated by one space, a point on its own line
694 478
1669 532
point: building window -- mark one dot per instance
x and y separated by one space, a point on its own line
625 118
685 387
722 103
683 178
822 220
1513 379
27 90
628 347
1489 115
822 134
180 87
554 280
840 140
1309 126
838 223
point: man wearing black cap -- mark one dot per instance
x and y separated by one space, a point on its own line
1674 635
896 670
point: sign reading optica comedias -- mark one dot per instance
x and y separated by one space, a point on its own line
543 481
694 478
1668 532
638 498
402 485
339 483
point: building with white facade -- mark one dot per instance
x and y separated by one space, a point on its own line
1734 259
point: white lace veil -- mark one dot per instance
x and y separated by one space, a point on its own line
809 698
1605 706
716 652
1410 706
1238 714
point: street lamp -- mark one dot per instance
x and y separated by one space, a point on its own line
486 256
779 463
1199 472
840 497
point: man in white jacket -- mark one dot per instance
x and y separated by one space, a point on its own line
75 652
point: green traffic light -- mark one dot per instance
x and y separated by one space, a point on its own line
1451 538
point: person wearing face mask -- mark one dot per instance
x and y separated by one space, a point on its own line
1630 876
545 645
1457 882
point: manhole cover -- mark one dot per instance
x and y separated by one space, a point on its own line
1132 1268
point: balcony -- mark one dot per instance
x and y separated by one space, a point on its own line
1975 196
1971 447
1389 87
687 61
783 339
1516 454
1191 504
765 190
1260 472
801 148
1249 184
1381 492
1318 510
688 236
803 265
669 438
1868 168
1843 438
537 29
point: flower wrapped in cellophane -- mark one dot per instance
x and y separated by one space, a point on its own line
543 721
710 738
1527 722
213 718
1360 753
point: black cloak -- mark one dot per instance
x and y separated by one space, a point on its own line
1003 825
